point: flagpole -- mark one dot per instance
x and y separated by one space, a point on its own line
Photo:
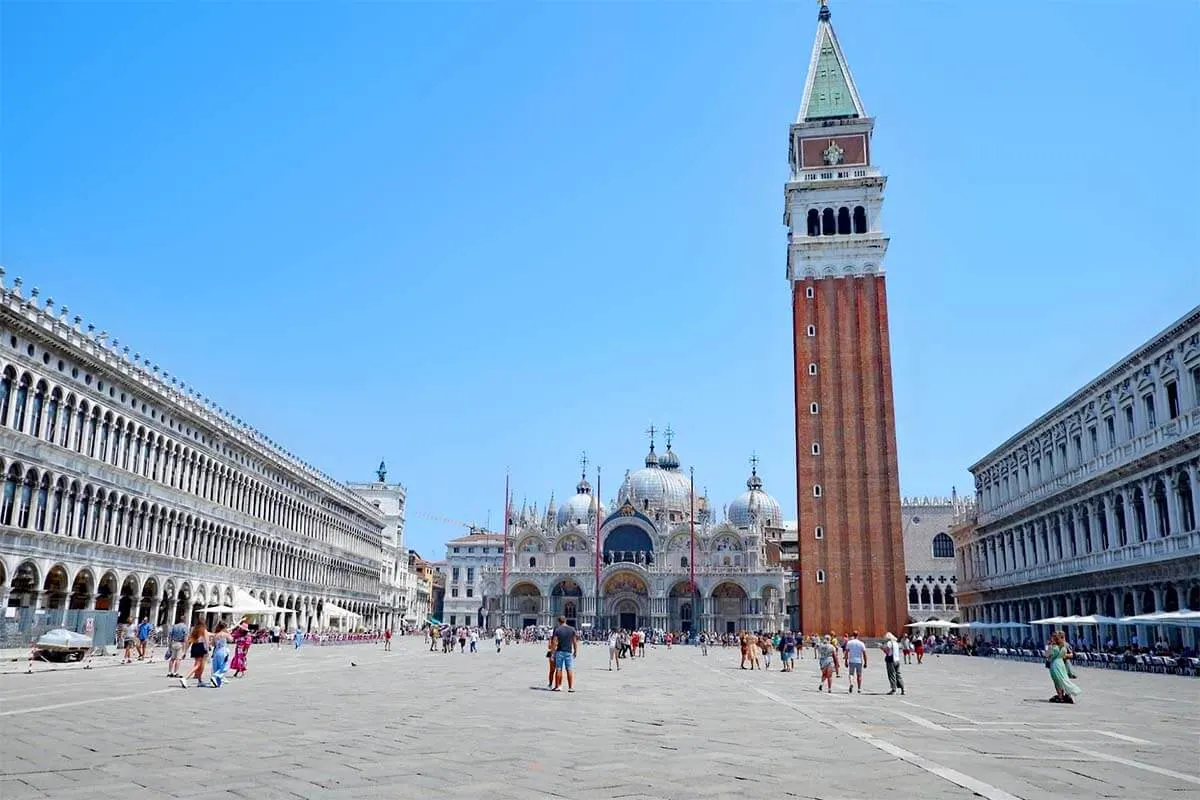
599 521
692 543
504 550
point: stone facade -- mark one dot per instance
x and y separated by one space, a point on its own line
850 566
467 559
1091 509
652 541
394 572
419 603
930 581
126 490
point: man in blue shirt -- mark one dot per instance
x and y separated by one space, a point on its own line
143 635
566 647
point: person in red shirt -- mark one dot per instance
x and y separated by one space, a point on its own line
387 640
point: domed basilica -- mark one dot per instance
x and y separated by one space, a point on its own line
645 559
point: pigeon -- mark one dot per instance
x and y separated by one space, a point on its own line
353 664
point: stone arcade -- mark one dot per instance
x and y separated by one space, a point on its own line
125 490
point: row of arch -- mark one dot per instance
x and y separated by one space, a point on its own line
1050 454
939 596
37 407
161 600
1157 506
841 222
39 500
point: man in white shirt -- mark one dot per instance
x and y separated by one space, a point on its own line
614 650
892 654
499 637
856 660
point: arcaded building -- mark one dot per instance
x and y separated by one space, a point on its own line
126 490
851 553
1091 508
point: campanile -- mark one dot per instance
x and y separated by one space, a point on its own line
851 553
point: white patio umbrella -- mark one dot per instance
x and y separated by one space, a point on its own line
219 610
1185 618
1050 621
1091 619
932 623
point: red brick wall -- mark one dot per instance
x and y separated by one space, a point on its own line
862 552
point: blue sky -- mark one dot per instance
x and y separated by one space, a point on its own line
478 237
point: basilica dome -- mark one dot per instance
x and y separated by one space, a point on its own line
577 510
654 487
755 505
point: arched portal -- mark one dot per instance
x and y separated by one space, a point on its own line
81 590
565 600
56 589
627 600
680 605
525 604
23 590
730 605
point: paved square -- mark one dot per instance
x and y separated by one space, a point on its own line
414 724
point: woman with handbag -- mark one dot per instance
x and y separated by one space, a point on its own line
197 647
1057 654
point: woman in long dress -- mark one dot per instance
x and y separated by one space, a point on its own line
1057 654
241 647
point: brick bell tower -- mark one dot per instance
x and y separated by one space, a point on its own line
850 573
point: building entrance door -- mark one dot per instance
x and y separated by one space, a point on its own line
730 626
628 621
529 622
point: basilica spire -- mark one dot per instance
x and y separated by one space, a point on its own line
829 90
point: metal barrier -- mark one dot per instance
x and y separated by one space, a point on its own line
28 624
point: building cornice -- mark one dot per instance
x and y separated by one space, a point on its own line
1173 331
97 354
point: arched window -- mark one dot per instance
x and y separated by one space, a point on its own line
820 576
943 546
860 219
913 597
828 223
949 595
937 595
532 562
39 399
19 406
6 385
10 495
814 222
52 415
843 220
571 561
925 599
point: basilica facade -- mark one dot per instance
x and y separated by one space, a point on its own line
652 542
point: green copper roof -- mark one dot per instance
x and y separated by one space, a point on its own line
830 96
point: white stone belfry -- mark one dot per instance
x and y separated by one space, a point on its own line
834 196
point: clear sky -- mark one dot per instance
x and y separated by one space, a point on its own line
471 237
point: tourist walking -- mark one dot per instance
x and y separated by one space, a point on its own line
565 642
891 659
242 640
220 655
143 636
907 646
856 660
474 638
387 640
826 655
1058 652
614 650
703 644
176 636
297 638
787 652
197 647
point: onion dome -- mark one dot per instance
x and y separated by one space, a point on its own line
579 508
755 505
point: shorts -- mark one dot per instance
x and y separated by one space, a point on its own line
855 669
199 650
176 650
785 656
128 642
564 660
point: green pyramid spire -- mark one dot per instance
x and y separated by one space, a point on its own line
829 91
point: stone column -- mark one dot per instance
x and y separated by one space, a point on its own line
1174 512
1151 508
1194 481
1110 523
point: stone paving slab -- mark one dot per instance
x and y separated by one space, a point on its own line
673 726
